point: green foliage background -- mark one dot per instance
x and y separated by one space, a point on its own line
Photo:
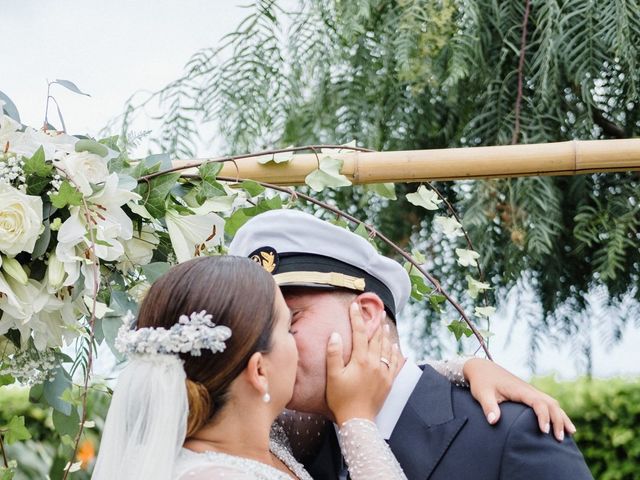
605 412
416 74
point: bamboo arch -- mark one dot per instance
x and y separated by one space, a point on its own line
362 167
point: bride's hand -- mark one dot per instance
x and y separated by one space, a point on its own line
491 384
359 389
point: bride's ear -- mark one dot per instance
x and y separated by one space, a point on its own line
256 374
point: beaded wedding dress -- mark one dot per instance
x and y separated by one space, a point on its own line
366 454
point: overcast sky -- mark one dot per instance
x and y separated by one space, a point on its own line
112 49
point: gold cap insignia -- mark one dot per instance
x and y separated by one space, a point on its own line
266 257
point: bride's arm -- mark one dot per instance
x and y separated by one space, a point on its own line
355 394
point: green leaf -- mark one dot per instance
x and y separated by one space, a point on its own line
6 380
425 198
6 473
9 107
154 195
67 195
42 244
384 190
436 300
70 86
282 157
210 170
54 389
240 217
15 431
328 175
155 270
252 188
66 424
36 165
362 231
91 146
460 328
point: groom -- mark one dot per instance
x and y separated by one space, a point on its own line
436 430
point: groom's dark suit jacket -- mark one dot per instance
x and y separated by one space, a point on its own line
442 434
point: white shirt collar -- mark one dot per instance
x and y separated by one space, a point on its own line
402 388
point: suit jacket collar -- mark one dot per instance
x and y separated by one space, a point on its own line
427 426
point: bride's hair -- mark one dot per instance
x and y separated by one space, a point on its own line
239 294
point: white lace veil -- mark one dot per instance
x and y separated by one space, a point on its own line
147 421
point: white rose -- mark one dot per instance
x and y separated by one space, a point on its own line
20 220
84 169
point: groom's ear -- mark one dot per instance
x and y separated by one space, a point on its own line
372 310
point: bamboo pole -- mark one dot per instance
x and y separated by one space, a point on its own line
563 158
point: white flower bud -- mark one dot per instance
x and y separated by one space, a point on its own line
13 268
55 272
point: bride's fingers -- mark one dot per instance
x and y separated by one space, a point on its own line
375 346
358 333
395 359
385 349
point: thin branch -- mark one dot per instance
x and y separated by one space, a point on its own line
523 47
85 392
386 240
231 158
4 455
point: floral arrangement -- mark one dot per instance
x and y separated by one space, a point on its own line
85 230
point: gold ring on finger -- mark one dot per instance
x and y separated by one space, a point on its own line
386 362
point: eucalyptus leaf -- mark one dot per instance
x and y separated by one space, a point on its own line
66 424
159 158
42 244
155 270
9 107
70 86
54 389
91 146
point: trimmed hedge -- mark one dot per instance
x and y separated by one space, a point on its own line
607 416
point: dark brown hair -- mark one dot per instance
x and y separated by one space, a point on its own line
239 294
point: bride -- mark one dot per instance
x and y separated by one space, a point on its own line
213 365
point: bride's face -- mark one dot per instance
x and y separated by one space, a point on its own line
283 355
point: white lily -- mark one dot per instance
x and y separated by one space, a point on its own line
192 234
55 273
448 225
467 258
34 313
139 249
12 267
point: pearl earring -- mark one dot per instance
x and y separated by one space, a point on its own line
266 398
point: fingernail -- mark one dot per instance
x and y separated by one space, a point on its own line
560 436
546 428
395 346
387 328
491 418
572 429
334 338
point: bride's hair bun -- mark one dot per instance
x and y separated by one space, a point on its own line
199 406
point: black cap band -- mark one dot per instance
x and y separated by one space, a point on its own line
308 262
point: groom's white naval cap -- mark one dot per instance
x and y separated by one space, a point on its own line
302 250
